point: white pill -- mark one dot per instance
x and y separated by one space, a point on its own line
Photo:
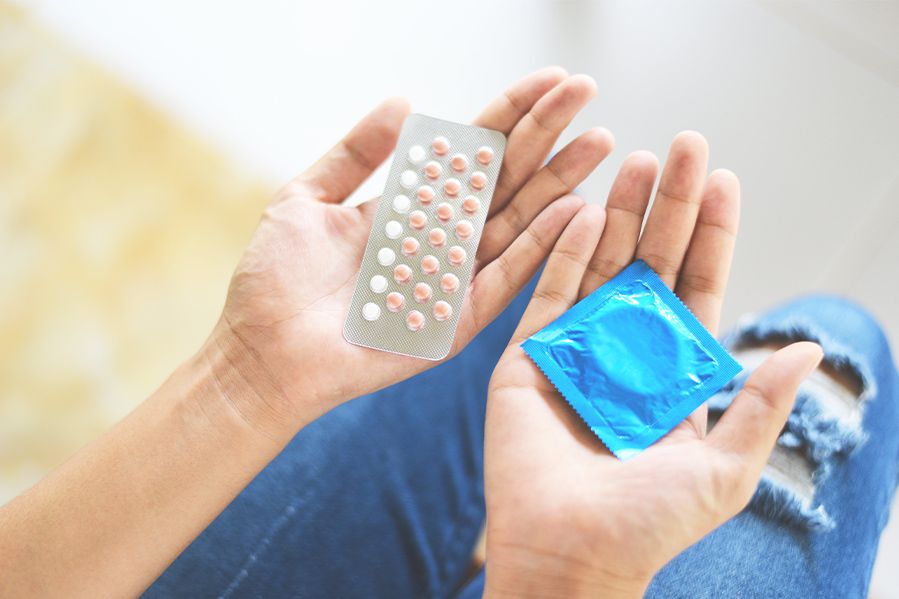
378 284
417 154
386 256
401 203
393 229
371 311
409 179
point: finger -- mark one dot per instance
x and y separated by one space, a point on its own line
749 428
506 110
564 172
345 166
703 278
625 209
673 214
557 288
499 282
535 134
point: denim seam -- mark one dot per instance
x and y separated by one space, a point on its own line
285 516
468 514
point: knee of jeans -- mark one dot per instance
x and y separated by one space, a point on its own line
833 317
826 423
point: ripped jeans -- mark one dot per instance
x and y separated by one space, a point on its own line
384 496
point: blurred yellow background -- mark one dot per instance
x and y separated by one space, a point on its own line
119 232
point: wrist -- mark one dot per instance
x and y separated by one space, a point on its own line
519 575
234 377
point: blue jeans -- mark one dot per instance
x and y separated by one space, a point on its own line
384 496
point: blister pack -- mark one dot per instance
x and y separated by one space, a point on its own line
424 238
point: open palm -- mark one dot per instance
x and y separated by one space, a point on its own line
564 515
291 291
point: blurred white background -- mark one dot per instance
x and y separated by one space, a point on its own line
801 99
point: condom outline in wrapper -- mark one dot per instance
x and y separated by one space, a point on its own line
632 360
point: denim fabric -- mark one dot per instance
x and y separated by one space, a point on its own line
766 551
384 497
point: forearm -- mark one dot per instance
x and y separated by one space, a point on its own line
111 519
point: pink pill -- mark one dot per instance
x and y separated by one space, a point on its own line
444 212
395 301
410 244
478 180
425 194
471 204
418 219
430 264
459 163
437 238
464 229
402 273
442 310
452 187
433 170
485 155
456 255
449 283
423 293
415 320
440 145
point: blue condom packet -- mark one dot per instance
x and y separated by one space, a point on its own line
632 360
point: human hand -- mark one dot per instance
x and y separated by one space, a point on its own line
280 335
565 517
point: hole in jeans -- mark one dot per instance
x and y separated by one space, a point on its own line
826 421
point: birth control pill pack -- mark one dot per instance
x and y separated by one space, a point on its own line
415 272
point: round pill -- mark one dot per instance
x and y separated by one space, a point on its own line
471 204
393 229
456 255
401 204
386 256
415 320
395 301
378 284
402 274
410 246
445 212
478 180
484 155
464 229
452 187
422 293
408 179
442 310
459 163
425 194
417 154
430 264
449 283
433 170
440 145
418 219
437 238
371 311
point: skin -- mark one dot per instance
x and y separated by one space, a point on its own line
565 517
292 289
114 516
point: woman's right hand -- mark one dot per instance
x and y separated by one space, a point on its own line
564 516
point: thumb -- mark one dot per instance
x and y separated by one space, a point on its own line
750 426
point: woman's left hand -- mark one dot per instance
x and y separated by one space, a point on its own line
279 345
